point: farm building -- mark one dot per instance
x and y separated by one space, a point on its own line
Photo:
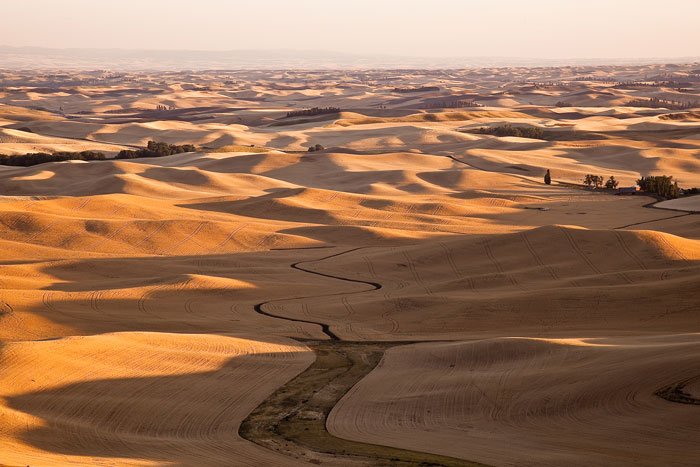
628 190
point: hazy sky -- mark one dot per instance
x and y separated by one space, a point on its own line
439 28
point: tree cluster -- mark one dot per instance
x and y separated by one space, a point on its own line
35 158
507 130
460 104
651 84
593 78
155 149
660 185
547 84
313 111
597 181
656 103
593 180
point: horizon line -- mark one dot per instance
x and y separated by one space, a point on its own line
359 54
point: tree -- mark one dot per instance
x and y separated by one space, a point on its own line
593 180
611 184
547 178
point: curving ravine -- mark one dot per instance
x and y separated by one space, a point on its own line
259 307
292 420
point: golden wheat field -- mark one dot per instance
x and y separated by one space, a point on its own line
410 293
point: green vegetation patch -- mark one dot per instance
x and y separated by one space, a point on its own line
519 131
155 149
35 158
313 111
292 421
656 103
660 185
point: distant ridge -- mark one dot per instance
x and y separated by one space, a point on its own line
126 59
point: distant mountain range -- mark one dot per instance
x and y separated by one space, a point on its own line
123 59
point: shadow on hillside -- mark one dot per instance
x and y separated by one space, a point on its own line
187 419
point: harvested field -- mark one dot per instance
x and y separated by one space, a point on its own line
71 401
553 402
408 293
